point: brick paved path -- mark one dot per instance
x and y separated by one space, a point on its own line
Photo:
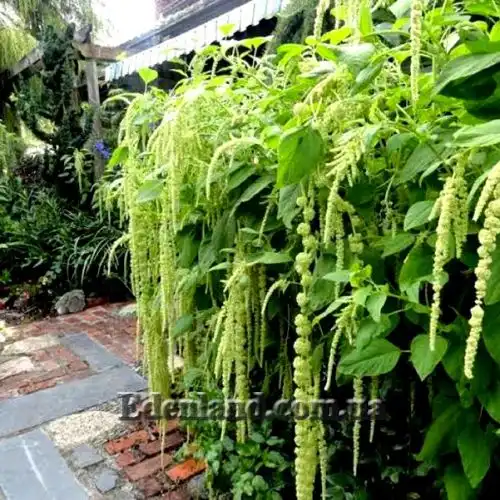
60 435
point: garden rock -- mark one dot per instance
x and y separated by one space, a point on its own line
106 480
71 302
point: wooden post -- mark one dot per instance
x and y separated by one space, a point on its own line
95 103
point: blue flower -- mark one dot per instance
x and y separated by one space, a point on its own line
103 150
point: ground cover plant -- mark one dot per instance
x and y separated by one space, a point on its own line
323 222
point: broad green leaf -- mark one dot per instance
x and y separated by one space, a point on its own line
338 276
355 56
475 452
336 36
456 484
256 42
463 67
377 358
439 431
299 154
418 214
396 244
366 76
374 305
423 157
478 136
490 399
119 156
400 8
238 177
148 75
253 190
368 330
150 191
183 325
365 19
287 205
270 258
493 290
227 29
417 266
491 335
495 33
423 359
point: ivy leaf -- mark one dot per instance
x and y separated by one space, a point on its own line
374 305
150 190
475 452
479 136
423 359
396 244
456 484
438 431
148 75
270 258
299 153
378 358
418 214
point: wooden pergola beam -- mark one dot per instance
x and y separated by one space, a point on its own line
87 50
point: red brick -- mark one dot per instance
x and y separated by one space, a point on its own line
149 486
170 442
148 467
172 425
127 458
125 442
186 470
76 366
37 386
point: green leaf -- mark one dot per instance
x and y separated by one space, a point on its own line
238 177
423 157
396 244
374 305
416 267
287 205
223 266
270 258
338 276
227 29
439 430
253 190
148 75
475 452
366 76
490 331
423 359
418 214
378 358
299 154
119 156
183 325
368 330
150 190
463 67
490 399
493 289
475 136
456 484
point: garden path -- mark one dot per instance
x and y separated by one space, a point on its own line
60 433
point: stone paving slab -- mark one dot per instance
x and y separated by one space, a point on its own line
97 357
27 412
32 468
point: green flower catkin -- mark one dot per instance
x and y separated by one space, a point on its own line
416 47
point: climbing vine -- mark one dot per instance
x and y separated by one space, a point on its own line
327 217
